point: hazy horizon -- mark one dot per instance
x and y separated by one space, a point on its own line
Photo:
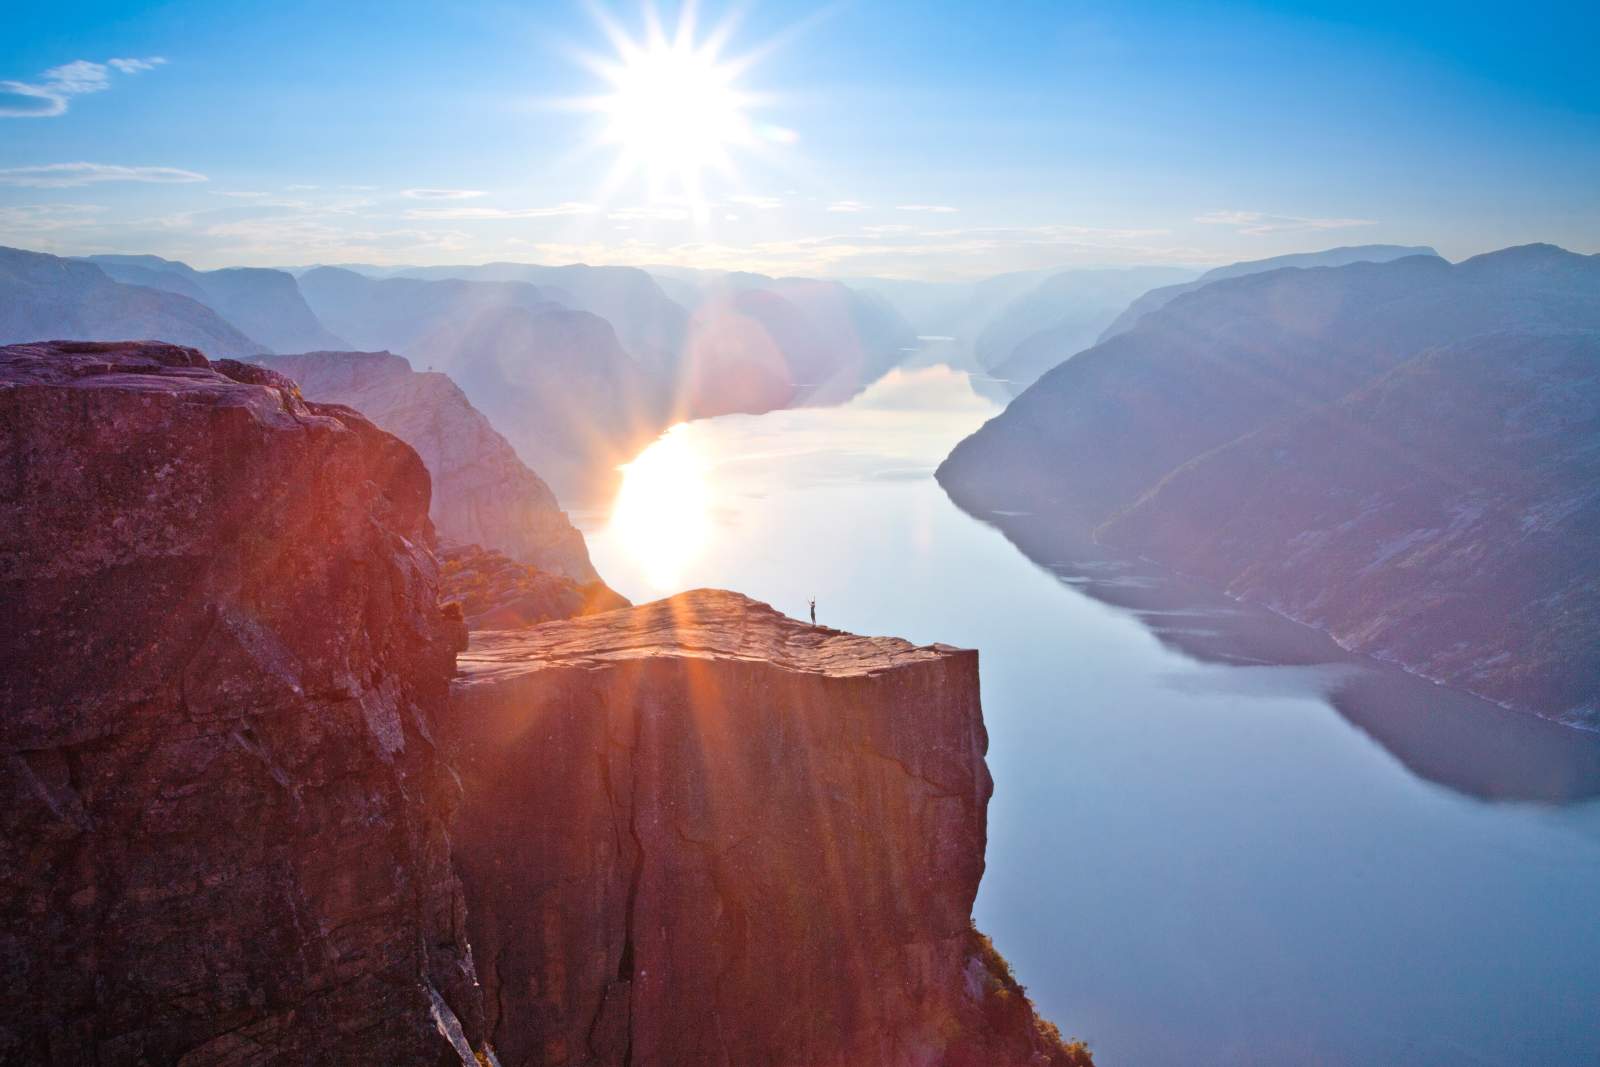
842 141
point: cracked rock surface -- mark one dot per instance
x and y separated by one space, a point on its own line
222 813
700 832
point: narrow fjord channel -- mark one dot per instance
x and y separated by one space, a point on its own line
1194 857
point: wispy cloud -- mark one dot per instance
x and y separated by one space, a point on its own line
442 194
47 218
649 214
53 92
468 213
760 203
1259 223
66 175
931 209
846 207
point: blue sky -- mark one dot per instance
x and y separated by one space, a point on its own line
912 139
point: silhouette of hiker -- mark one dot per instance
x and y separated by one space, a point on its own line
813 611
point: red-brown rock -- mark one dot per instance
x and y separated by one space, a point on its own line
223 816
699 832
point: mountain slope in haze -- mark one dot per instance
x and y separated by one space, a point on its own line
1060 317
754 342
482 493
421 319
648 322
1458 495
556 382
1156 299
265 304
45 297
1403 454
559 385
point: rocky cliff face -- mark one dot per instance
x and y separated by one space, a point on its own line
224 813
495 592
231 820
752 841
482 493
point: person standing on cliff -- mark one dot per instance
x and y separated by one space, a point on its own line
813 611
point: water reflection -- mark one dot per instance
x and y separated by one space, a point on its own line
661 515
1193 858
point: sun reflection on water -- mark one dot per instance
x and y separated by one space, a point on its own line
661 516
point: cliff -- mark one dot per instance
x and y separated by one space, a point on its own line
495 592
1401 454
232 826
224 814
482 493
754 842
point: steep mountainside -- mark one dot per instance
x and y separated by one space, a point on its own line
649 324
44 297
755 343
266 304
1381 450
1059 318
770 839
1156 299
482 493
224 814
556 382
1451 508
561 388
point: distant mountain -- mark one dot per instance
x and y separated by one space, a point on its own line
556 382
755 342
1403 454
1060 317
265 304
45 297
418 318
482 493
648 322
1332 257
559 385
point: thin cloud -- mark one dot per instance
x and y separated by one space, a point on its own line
443 194
467 213
53 92
846 207
760 203
931 209
67 175
1260 223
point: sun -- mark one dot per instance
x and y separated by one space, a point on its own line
673 108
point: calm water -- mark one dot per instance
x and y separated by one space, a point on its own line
1190 861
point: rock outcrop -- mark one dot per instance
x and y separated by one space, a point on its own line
234 762
482 493
498 593
223 814
750 841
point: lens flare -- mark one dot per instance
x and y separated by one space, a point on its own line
661 516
